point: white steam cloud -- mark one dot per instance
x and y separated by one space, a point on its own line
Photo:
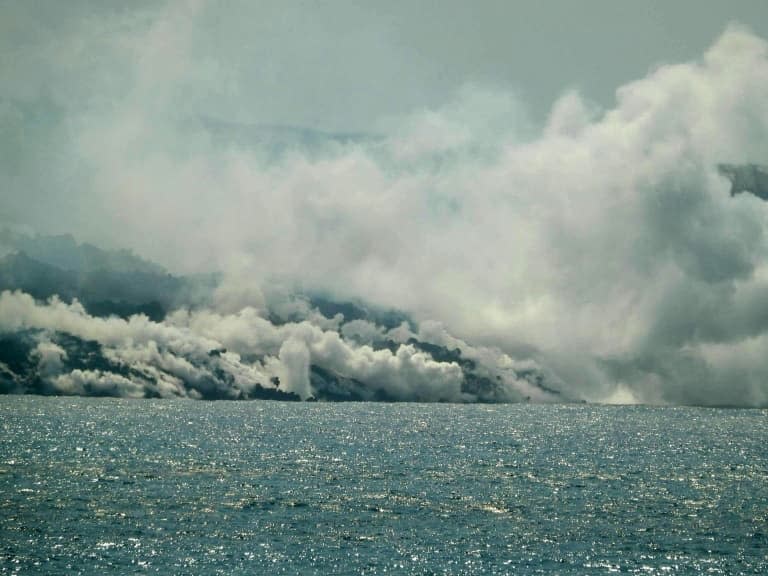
605 247
190 353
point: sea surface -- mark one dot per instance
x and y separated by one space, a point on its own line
106 486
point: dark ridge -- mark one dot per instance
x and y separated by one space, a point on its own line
102 292
107 281
104 308
41 281
64 252
352 310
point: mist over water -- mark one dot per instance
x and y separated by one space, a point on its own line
601 249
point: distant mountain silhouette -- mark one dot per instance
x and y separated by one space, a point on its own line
106 282
64 252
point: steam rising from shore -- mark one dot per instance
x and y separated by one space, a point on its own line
206 354
605 247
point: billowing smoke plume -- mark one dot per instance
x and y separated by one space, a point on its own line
606 249
58 348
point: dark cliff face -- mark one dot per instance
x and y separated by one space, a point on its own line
751 178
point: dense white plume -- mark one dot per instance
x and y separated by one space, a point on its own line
206 354
605 246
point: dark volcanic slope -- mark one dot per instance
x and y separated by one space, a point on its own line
108 332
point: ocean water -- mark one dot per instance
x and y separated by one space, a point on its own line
105 486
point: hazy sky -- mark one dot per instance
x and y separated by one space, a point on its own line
343 65
542 177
